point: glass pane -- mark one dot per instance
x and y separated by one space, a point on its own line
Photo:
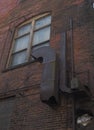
42 22
41 35
39 46
24 29
21 43
19 58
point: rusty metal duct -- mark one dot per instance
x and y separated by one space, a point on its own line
49 83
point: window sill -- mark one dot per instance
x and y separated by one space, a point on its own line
18 66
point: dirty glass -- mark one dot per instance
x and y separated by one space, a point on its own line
24 29
41 35
19 58
43 22
21 43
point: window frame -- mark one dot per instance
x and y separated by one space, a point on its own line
30 46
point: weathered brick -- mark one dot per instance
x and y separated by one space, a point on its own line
29 112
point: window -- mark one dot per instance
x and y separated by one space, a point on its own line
93 5
29 36
6 109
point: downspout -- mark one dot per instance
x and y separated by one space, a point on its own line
72 50
72 71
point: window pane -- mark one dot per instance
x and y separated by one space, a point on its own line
42 22
39 46
24 29
41 35
21 43
19 58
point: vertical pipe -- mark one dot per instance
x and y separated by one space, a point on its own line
72 70
63 62
72 49
73 112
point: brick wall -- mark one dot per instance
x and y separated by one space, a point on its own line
29 112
